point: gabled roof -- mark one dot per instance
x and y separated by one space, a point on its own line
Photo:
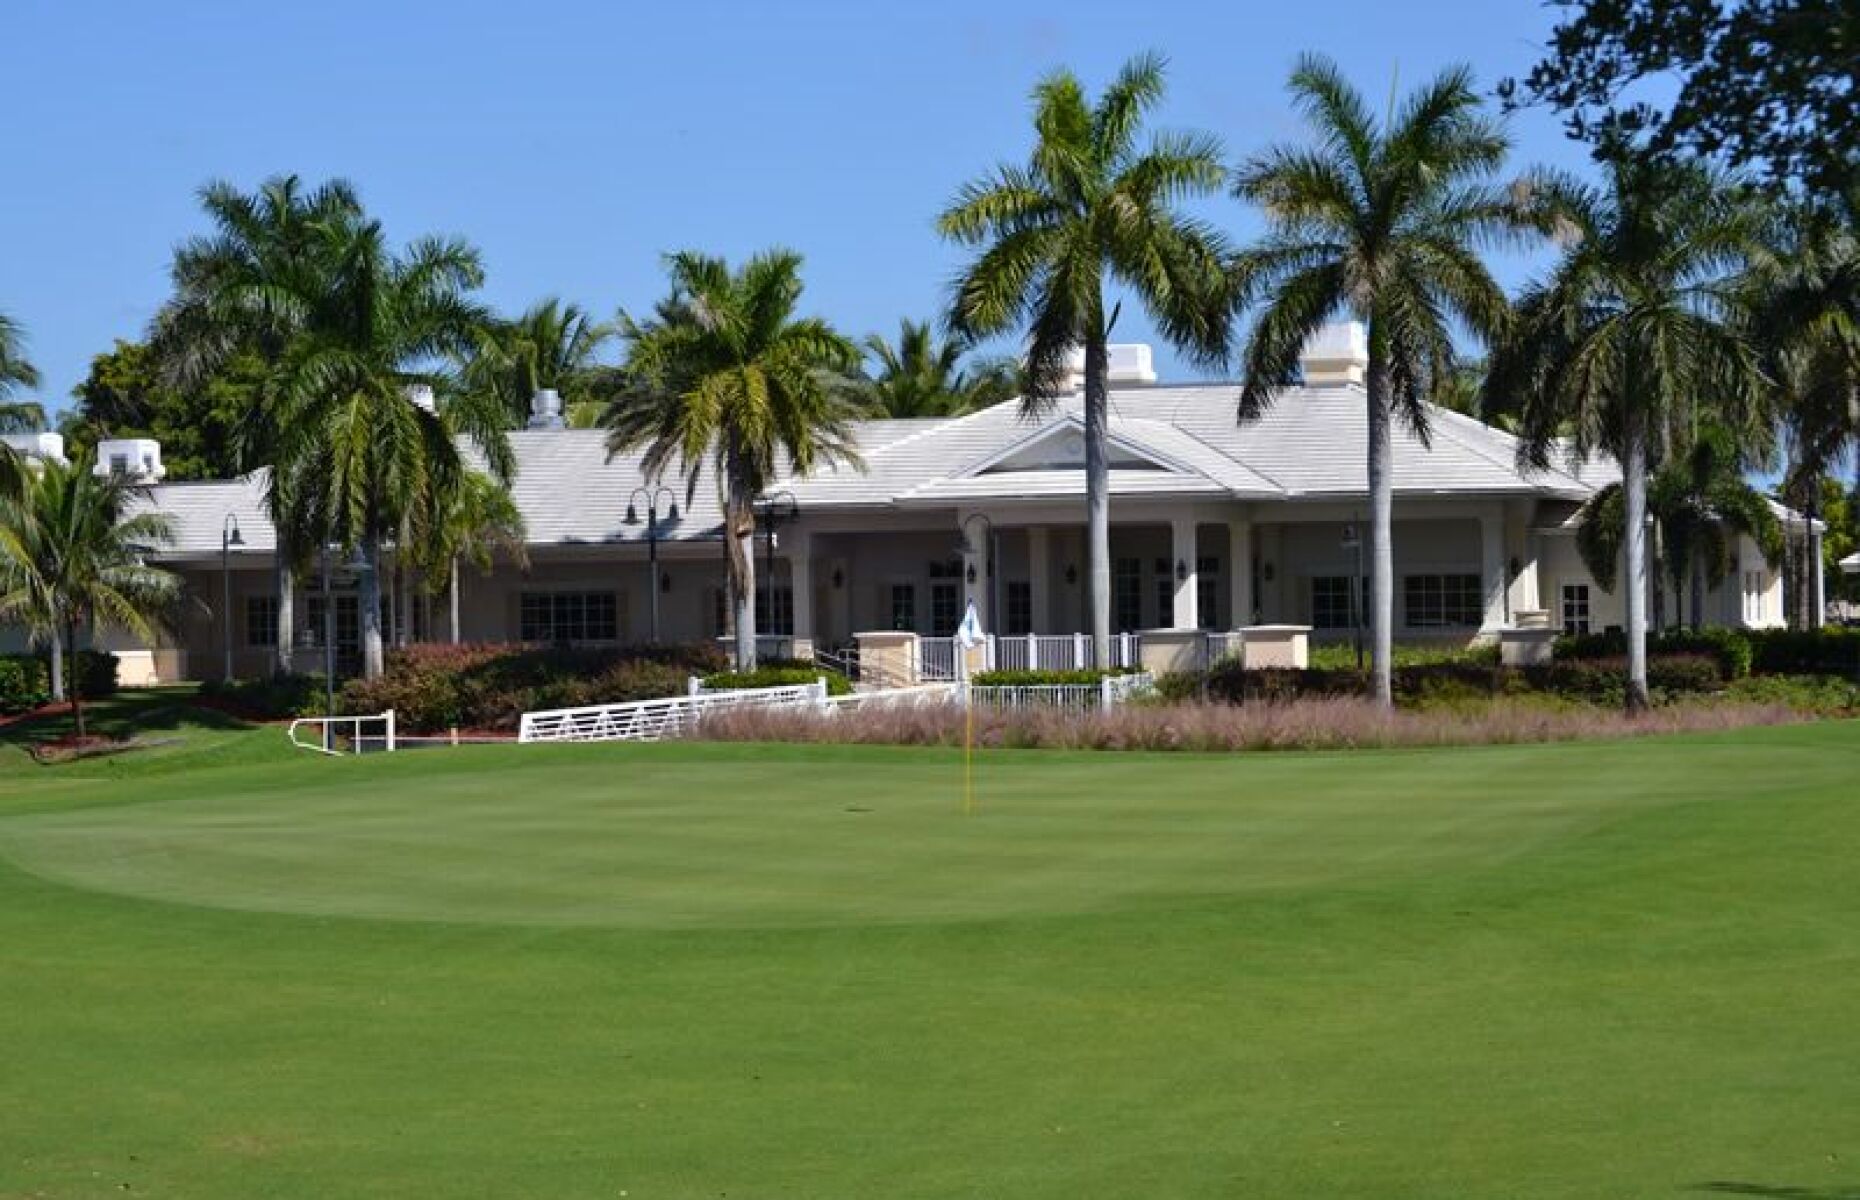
1169 441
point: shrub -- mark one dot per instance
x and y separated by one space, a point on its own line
274 698
1832 651
435 687
1341 656
1044 678
778 673
96 673
1731 649
1820 695
24 683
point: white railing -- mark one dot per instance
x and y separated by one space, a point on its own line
923 695
651 720
938 657
1219 647
1102 696
346 735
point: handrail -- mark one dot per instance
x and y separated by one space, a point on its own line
651 720
356 739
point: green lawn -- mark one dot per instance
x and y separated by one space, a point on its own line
1621 969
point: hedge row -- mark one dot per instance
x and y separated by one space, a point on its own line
1739 652
779 672
437 687
1045 678
1601 680
26 679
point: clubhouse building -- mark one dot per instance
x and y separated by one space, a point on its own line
1215 528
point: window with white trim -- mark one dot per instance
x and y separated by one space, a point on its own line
1575 608
1756 587
1207 592
1019 615
261 621
568 618
1330 602
775 611
1127 594
1442 601
904 607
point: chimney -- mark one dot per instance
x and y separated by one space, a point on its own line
1127 364
421 395
546 409
136 459
37 447
1336 355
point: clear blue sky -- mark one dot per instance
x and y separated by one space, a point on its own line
574 142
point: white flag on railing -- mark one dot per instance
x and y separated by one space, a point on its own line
969 634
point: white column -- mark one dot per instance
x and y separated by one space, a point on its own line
801 579
1240 570
1039 578
976 584
1492 568
1182 537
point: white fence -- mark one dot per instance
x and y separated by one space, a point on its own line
938 657
346 735
650 720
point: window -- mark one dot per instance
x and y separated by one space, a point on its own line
904 606
1165 602
1127 594
1330 602
119 464
1019 615
1207 592
1575 608
567 618
775 611
261 621
945 608
1442 601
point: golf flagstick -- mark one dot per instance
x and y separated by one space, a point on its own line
968 636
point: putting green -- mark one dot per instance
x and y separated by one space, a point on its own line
727 836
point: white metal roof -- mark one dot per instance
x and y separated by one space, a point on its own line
1172 441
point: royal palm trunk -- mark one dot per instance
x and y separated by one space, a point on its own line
370 605
452 601
1097 500
1634 495
58 666
287 612
740 543
1381 549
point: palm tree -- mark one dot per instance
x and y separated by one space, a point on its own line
919 376
725 375
1700 501
474 524
1804 303
552 345
1629 336
15 416
249 286
361 434
1091 204
72 551
1382 221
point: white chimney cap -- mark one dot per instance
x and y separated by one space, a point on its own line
1336 354
1127 363
546 409
48 447
137 458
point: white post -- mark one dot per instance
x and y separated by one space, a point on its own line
1186 566
390 731
1492 569
1039 580
988 652
693 685
1818 587
1033 652
1240 571
1078 652
978 587
1104 694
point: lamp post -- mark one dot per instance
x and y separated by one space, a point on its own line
770 508
1352 540
651 496
229 537
990 560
